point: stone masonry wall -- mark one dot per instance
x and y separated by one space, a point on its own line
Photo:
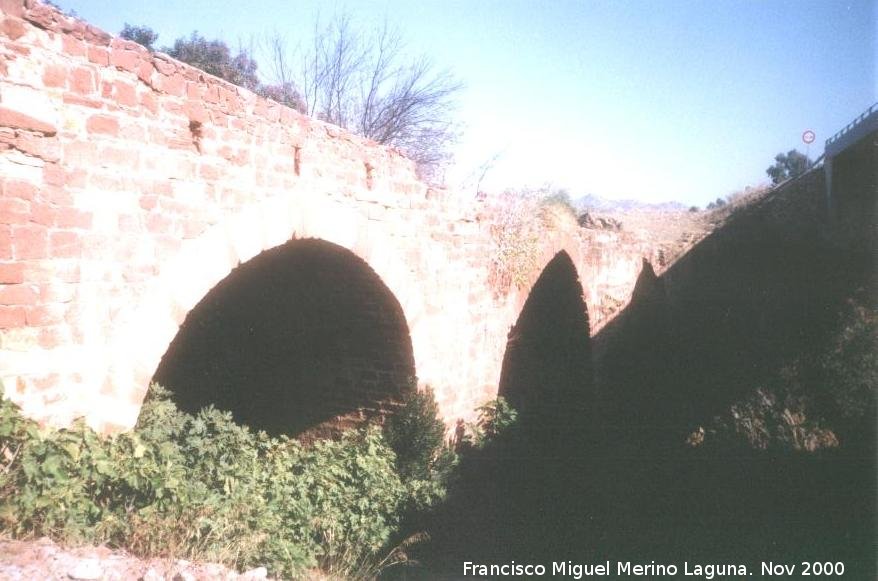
131 184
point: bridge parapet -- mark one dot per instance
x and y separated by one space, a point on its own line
132 184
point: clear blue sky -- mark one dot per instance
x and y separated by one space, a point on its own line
672 100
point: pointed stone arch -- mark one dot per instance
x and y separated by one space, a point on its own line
141 334
548 355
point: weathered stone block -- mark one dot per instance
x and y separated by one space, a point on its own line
19 120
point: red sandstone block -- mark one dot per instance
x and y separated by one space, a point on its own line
72 99
11 28
56 194
18 120
148 201
12 317
102 124
5 243
18 189
158 223
65 244
133 131
43 214
73 218
11 272
218 119
82 81
165 67
54 76
172 84
212 94
31 241
44 315
75 178
209 171
45 148
196 112
12 7
180 142
163 187
18 294
95 35
148 100
144 72
14 211
99 56
53 175
20 49
72 46
81 153
125 59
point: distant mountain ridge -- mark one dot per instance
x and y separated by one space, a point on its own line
593 202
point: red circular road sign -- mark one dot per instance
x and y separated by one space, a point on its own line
808 136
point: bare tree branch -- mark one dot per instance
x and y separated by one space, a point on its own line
361 82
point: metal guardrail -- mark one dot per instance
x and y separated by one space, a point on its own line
852 132
852 125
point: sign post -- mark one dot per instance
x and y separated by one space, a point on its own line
808 138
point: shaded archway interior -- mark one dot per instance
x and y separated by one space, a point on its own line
547 364
303 337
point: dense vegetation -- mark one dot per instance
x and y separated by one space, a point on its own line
811 403
788 165
202 487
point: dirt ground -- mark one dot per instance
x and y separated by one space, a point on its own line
44 560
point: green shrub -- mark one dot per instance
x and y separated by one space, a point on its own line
558 199
813 402
416 434
495 418
424 458
201 487
769 419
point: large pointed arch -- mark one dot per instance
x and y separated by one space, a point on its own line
548 354
304 337
142 334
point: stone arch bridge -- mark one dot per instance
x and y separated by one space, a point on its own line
137 192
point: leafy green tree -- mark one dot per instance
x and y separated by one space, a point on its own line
788 165
285 94
142 35
215 57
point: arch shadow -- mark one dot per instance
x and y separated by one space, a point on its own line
304 338
547 363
